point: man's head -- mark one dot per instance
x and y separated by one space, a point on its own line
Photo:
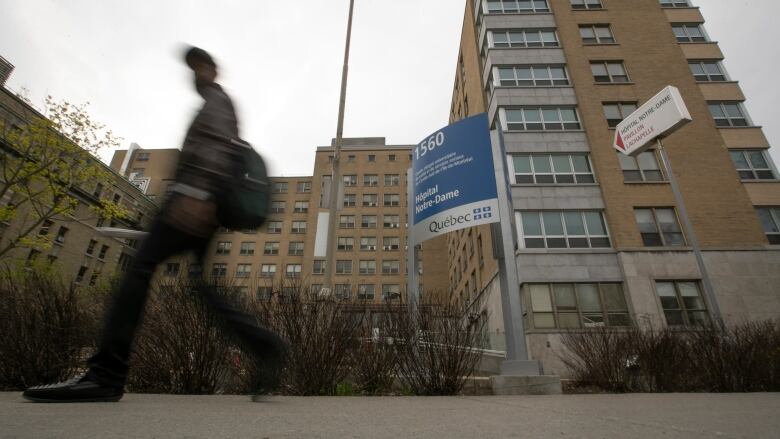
201 64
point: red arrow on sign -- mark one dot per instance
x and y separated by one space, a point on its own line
619 141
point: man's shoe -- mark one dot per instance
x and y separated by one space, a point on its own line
79 389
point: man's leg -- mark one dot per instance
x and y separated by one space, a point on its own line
109 365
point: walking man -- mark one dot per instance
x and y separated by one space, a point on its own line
187 222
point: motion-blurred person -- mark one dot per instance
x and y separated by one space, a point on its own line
187 222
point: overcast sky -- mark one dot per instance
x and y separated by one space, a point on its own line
281 63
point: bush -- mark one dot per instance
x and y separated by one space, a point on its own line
375 359
47 324
740 358
439 346
180 347
321 335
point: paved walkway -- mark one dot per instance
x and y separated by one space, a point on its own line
566 416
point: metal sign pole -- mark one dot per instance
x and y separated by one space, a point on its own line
412 293
517 361
709 291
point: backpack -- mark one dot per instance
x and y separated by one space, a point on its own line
244 201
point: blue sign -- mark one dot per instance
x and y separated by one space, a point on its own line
454 179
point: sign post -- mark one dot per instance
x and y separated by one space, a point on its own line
458 181
663 114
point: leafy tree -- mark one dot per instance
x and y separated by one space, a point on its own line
48 163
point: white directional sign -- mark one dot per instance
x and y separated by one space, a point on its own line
662 114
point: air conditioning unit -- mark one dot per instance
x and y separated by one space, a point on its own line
372 247
385 247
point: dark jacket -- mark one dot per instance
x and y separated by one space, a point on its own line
206 162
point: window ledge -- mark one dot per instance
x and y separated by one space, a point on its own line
696 42
655 249
542 131
740 128
496 87
533 251
717 82
614 83
599 44
520 185
499 14
590 10
774 180
650 183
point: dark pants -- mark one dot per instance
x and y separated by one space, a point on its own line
109 366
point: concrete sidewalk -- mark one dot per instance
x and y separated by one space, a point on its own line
574 416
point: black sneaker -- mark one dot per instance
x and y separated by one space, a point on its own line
78 389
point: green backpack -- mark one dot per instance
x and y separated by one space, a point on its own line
243 204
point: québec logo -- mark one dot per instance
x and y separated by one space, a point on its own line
483 212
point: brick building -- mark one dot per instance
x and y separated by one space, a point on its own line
599 238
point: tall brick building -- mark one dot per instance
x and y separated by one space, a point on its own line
600 242
290 247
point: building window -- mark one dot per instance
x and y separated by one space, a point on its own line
517 6
391 291
391 158
371 158
293 270
368 221
223 247
298 227
368 243
391 221
295 248
303 187
277 206
267 270
350 180
91 247
370 180
345 243
707 71
392 179
596 34
552 169
60 238
391 243
659 227
342 291
243 270
586 4
688 33
347 222
279 187
264 293
682 303
523 38
274 227
392 200
142 156
103 252
365 292
770 221
562 229
81 273
752 164
350 200
615 112
530 76
391 267
675 4
579 305
318 267
540 119
367 266
301 207
219 269
271 248
370 200
344 267
247 248
728 114
609 72
480 253
643 167
351 158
